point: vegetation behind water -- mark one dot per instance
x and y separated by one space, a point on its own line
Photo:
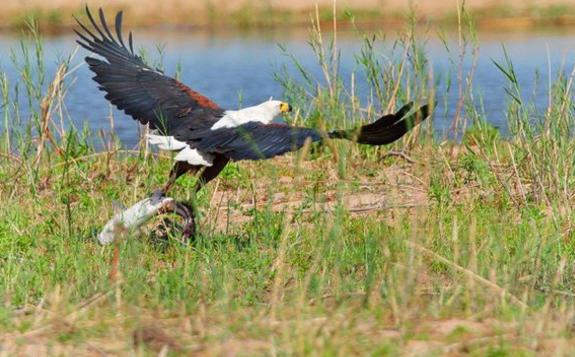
426 247
218 15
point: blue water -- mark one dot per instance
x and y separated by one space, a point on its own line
236 69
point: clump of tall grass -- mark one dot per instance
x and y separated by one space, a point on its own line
529 172
542 142
33 107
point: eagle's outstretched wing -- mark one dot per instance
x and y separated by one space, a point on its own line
143 92
255 141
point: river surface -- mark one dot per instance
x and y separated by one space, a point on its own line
237 69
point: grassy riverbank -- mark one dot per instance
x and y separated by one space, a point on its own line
444 247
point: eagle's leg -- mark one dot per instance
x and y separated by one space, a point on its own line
183 209
180 168
211 172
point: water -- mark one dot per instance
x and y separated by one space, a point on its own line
236 69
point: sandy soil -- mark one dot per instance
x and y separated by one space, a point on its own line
394 189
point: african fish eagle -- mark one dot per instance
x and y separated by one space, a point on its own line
204 135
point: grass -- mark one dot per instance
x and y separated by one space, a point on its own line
336 250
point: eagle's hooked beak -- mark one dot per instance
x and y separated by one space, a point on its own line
285 107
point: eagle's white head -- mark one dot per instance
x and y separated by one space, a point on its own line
272 108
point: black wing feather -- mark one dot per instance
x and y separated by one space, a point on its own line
140 91
118 24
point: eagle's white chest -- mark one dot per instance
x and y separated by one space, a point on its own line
233 118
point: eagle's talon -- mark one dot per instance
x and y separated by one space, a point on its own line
157 196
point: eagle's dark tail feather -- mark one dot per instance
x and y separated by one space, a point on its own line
386 129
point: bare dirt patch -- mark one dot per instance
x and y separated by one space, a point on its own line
394 187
